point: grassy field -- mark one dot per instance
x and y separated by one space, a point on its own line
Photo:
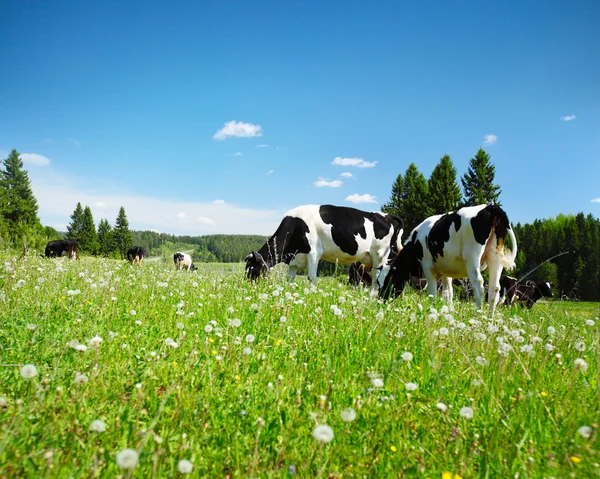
208 373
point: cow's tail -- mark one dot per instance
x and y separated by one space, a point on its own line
400 229
509 256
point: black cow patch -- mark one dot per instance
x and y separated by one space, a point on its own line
440 234
136 251
57 248
289 240
492 216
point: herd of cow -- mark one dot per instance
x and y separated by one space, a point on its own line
443 247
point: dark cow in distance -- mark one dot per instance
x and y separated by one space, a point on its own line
136 254
57 248
183 261
340 234
454 245
527 293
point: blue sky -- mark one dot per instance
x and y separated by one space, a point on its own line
121 103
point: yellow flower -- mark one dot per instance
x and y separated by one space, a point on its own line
393 448
237 378
513 399
418 367
211 340
576 459
544 393
124 336
446 475
214 351
364 349
174 363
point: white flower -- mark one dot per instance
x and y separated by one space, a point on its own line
323 433
549 347
235 322
171 343
247 351
132 312
98 426
444 331
527 348
581 364
250 338
283 319
551 330
480 336
379 316
3 401
411 386
208 328
348 415
589 322
585 431
377 383
407 356
466 412
127 459
29 371
441 406
95 342
580 346
185 467
81 378
81 347
32 327
481 361
73 292
138 322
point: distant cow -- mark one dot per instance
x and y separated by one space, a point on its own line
57 248
136 254
454 245
340 234
526 293
183 261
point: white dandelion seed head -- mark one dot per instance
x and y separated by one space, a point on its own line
411 386
185 467
407 356
81 378
283 319
551 330
377 383
98 426
348 415
95 342
138 322
581 364
323 433
441 406
466 412
235 322
208 328
585 432
31 327
127 459
580 346
132 312
29 371
444 331
3 401
549 347
250 338
247 351
589 322
481 361
81 347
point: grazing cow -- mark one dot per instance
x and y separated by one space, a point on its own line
183 260
454 245
57 248
136 254
332 233
526 293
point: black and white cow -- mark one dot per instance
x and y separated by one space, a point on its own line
358 274
136 254
527 293
57 248
454 245
183 261
310 233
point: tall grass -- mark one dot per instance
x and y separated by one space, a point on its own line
234 377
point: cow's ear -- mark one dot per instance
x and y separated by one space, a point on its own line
249 257
258 256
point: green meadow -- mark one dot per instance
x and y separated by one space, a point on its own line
208 375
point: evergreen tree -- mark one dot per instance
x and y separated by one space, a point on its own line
122 235
106 243
75 227
478 182
394 205
18 206
444 192
89 237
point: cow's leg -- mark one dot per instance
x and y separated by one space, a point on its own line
313 264
447 291
431 282
477 283
292 272
495 271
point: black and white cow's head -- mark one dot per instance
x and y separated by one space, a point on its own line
397 274
256 266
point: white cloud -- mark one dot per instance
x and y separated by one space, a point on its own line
75 142
270 172
262 145
366 198
358 162
34 159
206 221
346 174
181 215
596 200
48 140
238 129
100 204
238 153
490 139
326 182
568 118
218 202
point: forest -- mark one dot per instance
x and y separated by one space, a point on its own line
564 250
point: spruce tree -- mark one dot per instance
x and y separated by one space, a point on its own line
18 206
444 192
478 182
89 237
394 205
106 244
122 235
75 227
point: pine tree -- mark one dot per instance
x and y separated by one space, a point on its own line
106 243
478 182
394 205
122 235
18 206
444 192
89 237
75 227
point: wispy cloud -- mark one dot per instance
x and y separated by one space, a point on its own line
596 200
270 172
218 202
100 205
48 141
238 129
568 118
34 159
238 153
490 139
358 162
206 221
327 182
366 198
181 215
346 174
262 145
75 142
